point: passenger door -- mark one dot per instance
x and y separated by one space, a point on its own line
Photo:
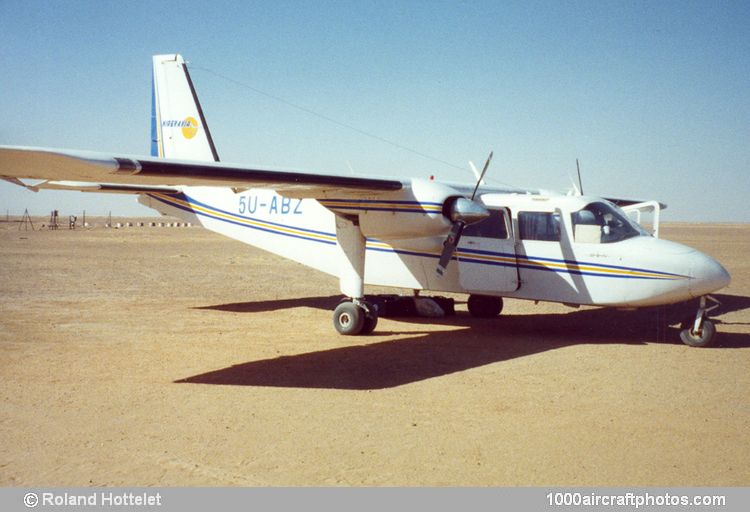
487 256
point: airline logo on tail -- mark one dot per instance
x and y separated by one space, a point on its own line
189 126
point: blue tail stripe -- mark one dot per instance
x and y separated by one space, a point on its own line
154 134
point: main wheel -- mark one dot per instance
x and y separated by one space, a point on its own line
371 321
348 319
483 306
699 339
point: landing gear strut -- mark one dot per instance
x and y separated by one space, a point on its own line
699 331
353 317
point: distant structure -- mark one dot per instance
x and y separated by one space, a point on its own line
53 219
26 221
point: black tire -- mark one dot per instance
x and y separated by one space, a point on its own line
348 319
371 321
371 317
483 306
702 339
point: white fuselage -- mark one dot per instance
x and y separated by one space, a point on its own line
578 267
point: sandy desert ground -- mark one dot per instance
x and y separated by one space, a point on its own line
175 357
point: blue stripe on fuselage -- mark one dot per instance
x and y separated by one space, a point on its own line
462 256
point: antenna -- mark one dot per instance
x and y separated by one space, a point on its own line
580 184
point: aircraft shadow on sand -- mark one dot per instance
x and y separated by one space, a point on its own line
323 302
391 363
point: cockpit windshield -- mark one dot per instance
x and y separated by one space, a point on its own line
603 223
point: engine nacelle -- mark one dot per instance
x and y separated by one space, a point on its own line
419 211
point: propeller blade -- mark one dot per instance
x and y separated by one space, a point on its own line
449 246
481 176
462 212
475 172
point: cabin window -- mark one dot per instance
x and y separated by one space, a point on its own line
539 226
602 223
493 226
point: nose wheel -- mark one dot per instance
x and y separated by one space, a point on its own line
355 317
699 338
699 331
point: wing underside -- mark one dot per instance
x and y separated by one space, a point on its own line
108 171
105 188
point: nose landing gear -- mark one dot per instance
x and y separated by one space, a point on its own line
699 331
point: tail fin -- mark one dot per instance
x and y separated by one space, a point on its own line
178 128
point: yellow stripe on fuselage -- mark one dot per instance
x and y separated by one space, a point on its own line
574 267
245 220
371 244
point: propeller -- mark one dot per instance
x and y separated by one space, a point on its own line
475 171
462 212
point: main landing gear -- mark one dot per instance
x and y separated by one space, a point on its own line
354 316
484 306
698 330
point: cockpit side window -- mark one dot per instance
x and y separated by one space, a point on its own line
493 226
602 223
539 226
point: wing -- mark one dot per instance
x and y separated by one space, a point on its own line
112 170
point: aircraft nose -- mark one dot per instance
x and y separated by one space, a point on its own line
708 275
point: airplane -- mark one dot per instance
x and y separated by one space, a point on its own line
411 233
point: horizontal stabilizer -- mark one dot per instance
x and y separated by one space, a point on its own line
628 202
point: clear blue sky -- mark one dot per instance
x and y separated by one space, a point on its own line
653 97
